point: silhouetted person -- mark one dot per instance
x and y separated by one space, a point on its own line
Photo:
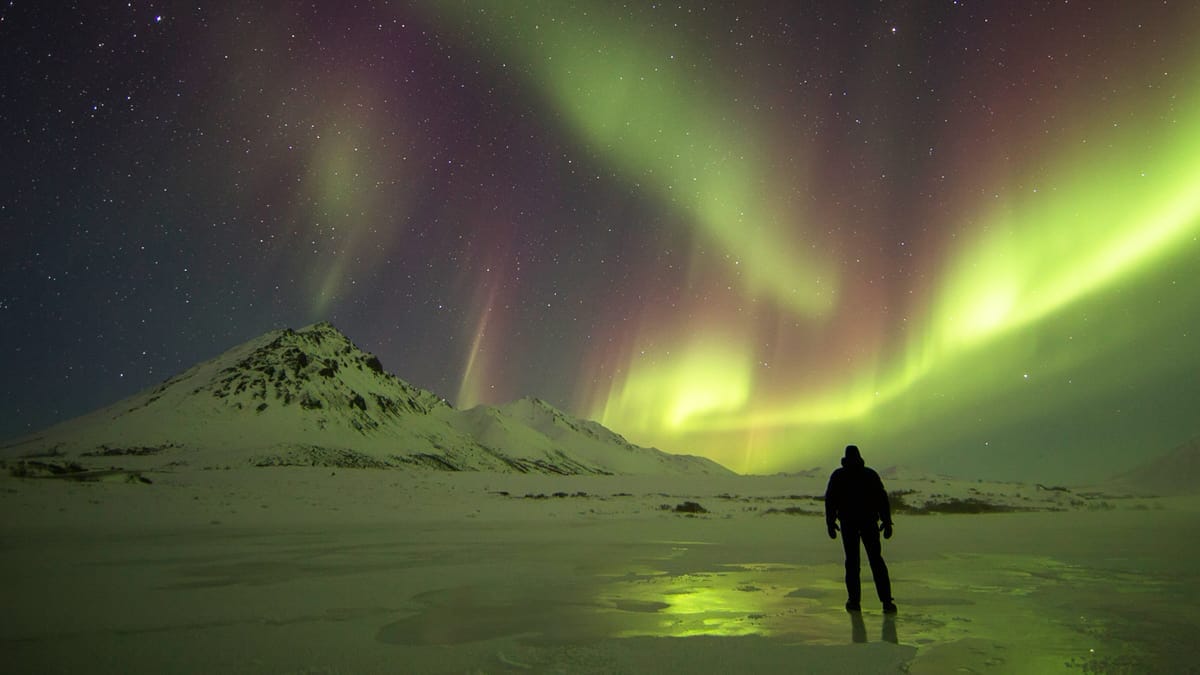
856 499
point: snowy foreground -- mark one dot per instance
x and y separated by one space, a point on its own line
310 570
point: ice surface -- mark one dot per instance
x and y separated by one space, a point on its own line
294 570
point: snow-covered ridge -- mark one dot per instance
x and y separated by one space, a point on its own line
311 397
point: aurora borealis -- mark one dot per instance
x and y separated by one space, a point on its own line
963 235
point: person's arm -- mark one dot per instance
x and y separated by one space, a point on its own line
885 510
831 506
885 505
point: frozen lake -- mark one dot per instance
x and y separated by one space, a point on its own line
266 571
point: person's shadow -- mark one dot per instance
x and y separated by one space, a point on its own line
858 628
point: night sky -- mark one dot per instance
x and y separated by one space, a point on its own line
961 234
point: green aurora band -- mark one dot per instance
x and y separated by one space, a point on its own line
1021 309
624 91
1026 293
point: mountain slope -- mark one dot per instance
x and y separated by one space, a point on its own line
531 429
1175 472
310 396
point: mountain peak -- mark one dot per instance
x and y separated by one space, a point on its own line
320 327
535 402
320 368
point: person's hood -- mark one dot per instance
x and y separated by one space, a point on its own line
853 460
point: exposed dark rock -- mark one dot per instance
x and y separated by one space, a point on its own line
1052 488
137 451
297 359
793 511
690 507
970 505
321 456
72 471
32 468
386 404
430 461
898 503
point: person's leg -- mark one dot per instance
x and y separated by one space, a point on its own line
879 570
850 544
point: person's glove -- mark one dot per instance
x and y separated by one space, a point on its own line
886 528
833 531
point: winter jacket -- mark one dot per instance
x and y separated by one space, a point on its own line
855 494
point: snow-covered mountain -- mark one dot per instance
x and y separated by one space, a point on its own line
1175 472
311 397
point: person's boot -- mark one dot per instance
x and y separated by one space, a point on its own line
853 606
889 607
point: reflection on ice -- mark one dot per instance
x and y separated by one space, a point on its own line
739 599
858 628
954 609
